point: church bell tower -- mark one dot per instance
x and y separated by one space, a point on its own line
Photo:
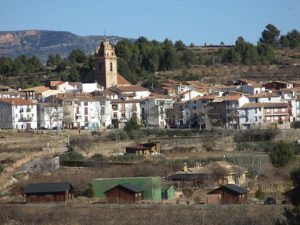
106 65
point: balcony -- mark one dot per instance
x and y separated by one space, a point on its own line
28 119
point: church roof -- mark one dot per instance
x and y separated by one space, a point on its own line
121 81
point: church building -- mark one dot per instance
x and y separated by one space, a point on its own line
106 68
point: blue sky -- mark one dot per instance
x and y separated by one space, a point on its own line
193 21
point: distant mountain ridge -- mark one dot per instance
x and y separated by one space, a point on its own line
41 43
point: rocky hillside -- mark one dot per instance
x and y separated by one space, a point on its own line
41 43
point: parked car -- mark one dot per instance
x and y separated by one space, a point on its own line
110 126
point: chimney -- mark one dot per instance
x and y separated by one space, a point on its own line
185 168
198 165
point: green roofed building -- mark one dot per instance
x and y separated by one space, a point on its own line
167 192
150 185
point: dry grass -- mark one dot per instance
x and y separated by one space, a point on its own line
140 214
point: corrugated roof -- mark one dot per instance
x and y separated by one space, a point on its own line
47 187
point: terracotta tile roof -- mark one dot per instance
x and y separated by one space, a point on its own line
38 89
265 95
129 88
289 90
56 83
4 87
125 101
264 105
121 81
205 97
16 101
227 98
195 83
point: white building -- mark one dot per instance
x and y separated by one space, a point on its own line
265 97
91 87
252 88
85 111
124 110
130 92
256 115
92 112
17 113
188 95
154 110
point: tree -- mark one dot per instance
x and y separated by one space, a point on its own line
188 57
53 112
270 36
295 176
179 45
6 65
53 60
132 125
171 58
266 53
282 154
77 56
74 75
292 216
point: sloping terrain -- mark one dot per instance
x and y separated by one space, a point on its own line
41 43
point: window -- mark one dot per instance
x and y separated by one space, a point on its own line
86 119
256 119
195 102
111 67
86 111
123 115
85 103
102 111
195 107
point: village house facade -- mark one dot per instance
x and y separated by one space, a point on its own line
17 113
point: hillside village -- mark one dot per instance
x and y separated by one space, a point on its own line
112 101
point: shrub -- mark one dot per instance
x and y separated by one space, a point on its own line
89 192
1 168
72 156
94 132
97 157
282 154
259 194
256 135
132 125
